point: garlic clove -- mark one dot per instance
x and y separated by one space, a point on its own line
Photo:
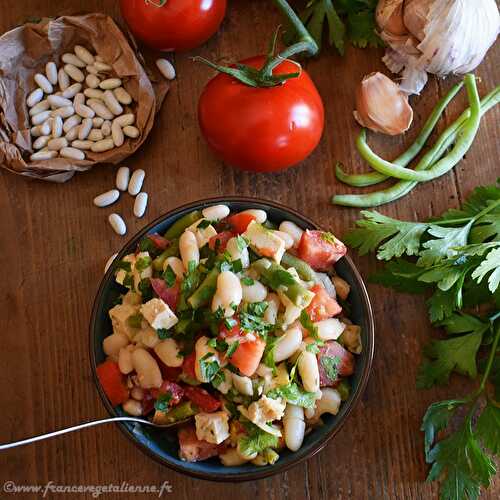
415 16
389 17
381 106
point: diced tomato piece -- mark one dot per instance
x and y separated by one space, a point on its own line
148 402
343 361
322 305
159 241
191 448
169 295
239 222
234 331
320 250
167 387
247 356
113 382
188 365
219 241
170 373
201 398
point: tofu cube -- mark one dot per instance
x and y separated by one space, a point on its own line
212 427
158 314
264 242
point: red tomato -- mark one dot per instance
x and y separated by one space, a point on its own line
262 129
248 355
319 251
158 241
222 238
201 398
175 390
225 332
191 448
112 382
173 24
169 295
322 305
239 222
148 402
188 365
343 360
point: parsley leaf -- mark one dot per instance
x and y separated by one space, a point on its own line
135 320
123 264
247 281
331 366
143 263
488 428
306 322
268 356
253 323
294 394
163 401
458 323
232 348
257 308
401 275
256 440
491 263
208 369
169 277
163 333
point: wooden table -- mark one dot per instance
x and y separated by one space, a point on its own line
54 244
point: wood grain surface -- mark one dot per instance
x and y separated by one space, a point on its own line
54 243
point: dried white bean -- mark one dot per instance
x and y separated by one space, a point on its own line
215 212
84 54
112 344
73 60
148 371
289 242
106 128
43 83
127 119
35 97
84 111
260 215
51 72
168 351
122 96
122 178
72 134
92 70
39 130
71 122
136 182
100 109
92 81
140 204
111 102
118 224
110 84
117 134
228 292
256 292
40 117
73 153
287 344
94 93
57 101
84 129
166 68
85 145
177 266
43 155
99 58
64 112
63 79
294 426
39 107
56 126
309 372
97 121
131 131
41 142
101 146
293 230
95 135
107 198
74 73
72 90
100 66
79 99
188 246
57 143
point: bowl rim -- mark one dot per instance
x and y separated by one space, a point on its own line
277 468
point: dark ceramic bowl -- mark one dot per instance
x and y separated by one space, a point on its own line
162 445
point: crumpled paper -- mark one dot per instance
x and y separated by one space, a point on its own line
25 51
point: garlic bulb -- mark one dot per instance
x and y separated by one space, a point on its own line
439 37
381 106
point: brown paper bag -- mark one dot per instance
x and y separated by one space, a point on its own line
25 50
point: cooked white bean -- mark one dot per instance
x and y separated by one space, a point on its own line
73 60
117 134
122 96
57 101
148 371
228 293
97 121
41 142
132 407
51 72
94 93
95 135
289 243
238 253
110 84
215 212
83 54
287 344
136 181
43 155
168 351
260 215
72 153
118 224
71 122
100 66
293 230
92 70
35 97
43 83
100 109
101 146
39 118
112 344
72 90
64 112
328 403
63 79
84 145
201 349
92 81
256 292
309 372
177 266
188 246
126 119
74 73
57 143
131 131
125 361
112 103
294 426
140 204
231 458
122 178
43 129
242 384
106 128
72 134
137 393
107 198
39 107
56 126
84 129
329 329
166 68
273 304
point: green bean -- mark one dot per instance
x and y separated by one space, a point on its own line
176 414
371 178
402 188
462 145
171 251
205 291
178 227
304 270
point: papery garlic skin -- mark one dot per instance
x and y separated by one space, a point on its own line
444 36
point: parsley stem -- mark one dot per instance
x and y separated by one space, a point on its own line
491 357
476 217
